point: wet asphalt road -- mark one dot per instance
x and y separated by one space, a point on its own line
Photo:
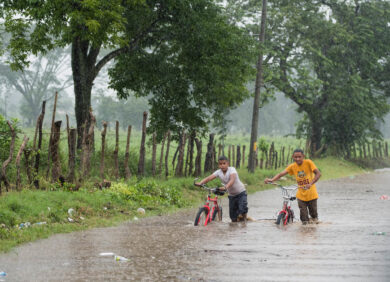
341 248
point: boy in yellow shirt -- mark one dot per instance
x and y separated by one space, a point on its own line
306 174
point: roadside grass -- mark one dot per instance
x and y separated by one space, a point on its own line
99 208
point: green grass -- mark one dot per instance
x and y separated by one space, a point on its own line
98 208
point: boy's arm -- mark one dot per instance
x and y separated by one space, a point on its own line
207 179
232 178
276 177
317 175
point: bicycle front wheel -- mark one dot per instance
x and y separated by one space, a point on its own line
281 218
291 216
201 217
217 215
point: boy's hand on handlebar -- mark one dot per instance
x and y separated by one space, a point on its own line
268 181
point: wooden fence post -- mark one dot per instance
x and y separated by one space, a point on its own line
127 154
104 132
72 154
116 151
54 151
386 150
18 156
141 162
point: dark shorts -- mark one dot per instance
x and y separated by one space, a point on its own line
238 204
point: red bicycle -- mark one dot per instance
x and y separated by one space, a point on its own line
286 215
208 213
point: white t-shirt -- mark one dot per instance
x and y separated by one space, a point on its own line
237 186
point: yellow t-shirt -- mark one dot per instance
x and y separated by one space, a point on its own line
304 174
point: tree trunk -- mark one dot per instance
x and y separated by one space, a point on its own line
83 65
87 144
243 155
198 159
54 151
127 154
37 150
180 158
162 154
258 85
208 164
238 163
72 155
18 156
141 162
167 154
191 152
51 134
154 151
104 132
3 176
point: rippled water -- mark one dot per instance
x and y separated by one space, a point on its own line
169 248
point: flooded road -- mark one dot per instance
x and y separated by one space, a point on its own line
341 248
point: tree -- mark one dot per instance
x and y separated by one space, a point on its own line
258 85
38 83
330 58
328 66
195 72
130 29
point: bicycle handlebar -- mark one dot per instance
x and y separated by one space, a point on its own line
283 187
214 190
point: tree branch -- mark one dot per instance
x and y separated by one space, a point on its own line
132 46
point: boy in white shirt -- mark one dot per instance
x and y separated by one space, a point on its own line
238 203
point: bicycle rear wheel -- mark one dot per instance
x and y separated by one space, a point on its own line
281 218
201 217
215 214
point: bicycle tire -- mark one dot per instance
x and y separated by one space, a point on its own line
201 216
291 216
215 213
280 219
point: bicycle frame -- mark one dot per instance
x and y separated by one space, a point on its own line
287 194
211 205
210 210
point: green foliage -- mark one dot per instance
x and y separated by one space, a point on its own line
148 194
194 74
5 136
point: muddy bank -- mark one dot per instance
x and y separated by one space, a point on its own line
341 248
